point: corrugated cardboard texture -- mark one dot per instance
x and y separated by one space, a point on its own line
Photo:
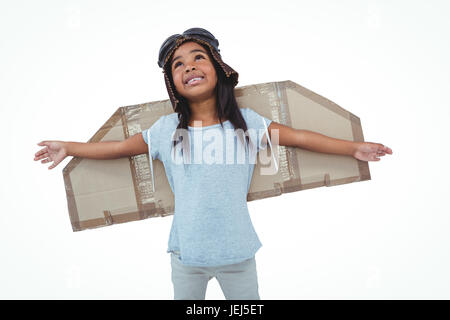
106 192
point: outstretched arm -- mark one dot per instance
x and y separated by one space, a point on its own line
57 151
314 141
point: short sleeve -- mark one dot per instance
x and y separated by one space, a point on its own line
260 124
153 134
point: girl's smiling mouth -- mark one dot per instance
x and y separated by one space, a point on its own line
194 81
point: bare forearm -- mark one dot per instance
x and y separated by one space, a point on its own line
318 142
94 150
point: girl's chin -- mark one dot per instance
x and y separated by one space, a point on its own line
199 95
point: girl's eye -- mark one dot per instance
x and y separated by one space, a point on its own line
199 55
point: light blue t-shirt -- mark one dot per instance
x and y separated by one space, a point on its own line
211 224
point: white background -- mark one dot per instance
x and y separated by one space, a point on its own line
66 66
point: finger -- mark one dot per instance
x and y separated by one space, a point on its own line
377 154
53 165
45 155
40 156
42 151
386 149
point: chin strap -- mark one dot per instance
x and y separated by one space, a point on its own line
270 144
151 159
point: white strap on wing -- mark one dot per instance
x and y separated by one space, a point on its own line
270 144
151 159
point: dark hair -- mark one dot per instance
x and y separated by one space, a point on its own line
226 107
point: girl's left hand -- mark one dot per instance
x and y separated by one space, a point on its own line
368 151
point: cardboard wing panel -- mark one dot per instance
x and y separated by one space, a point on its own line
106 192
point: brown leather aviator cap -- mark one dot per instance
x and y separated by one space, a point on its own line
200 36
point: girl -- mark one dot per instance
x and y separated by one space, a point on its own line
212 234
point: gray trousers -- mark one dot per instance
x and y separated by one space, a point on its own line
238 281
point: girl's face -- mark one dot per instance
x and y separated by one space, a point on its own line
190 60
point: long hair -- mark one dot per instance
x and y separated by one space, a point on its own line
226 107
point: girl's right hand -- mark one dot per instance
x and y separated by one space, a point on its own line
54 151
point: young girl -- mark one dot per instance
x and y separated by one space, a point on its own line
212 234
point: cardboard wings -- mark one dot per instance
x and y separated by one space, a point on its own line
106 192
